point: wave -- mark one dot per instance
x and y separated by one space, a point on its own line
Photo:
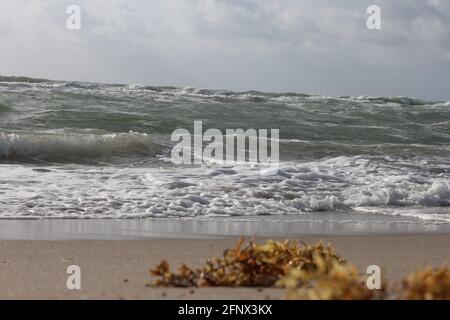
4 108
343 184
251 95
22 79
400 100
75 148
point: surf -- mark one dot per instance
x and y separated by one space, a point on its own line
77 148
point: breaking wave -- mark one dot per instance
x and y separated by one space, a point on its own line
78 148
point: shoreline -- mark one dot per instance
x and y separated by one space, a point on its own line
212 227
120 269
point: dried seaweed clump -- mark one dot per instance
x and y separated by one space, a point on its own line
335 281
260 265
427 284
185 277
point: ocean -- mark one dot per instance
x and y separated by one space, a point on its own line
90 150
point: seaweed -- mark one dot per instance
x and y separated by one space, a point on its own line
185 277
427 284
311 272
330 281
255 265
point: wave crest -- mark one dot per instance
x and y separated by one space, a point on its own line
57 147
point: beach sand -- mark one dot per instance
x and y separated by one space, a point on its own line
119 269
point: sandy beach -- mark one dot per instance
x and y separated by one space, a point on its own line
118 269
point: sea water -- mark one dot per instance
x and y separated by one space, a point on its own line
88 150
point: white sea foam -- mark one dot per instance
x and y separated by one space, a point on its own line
343 184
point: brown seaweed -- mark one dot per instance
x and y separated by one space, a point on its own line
427 284
255 265
307 271
330 281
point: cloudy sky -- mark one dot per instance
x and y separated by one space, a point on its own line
312 46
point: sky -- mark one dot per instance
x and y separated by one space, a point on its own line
310 46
